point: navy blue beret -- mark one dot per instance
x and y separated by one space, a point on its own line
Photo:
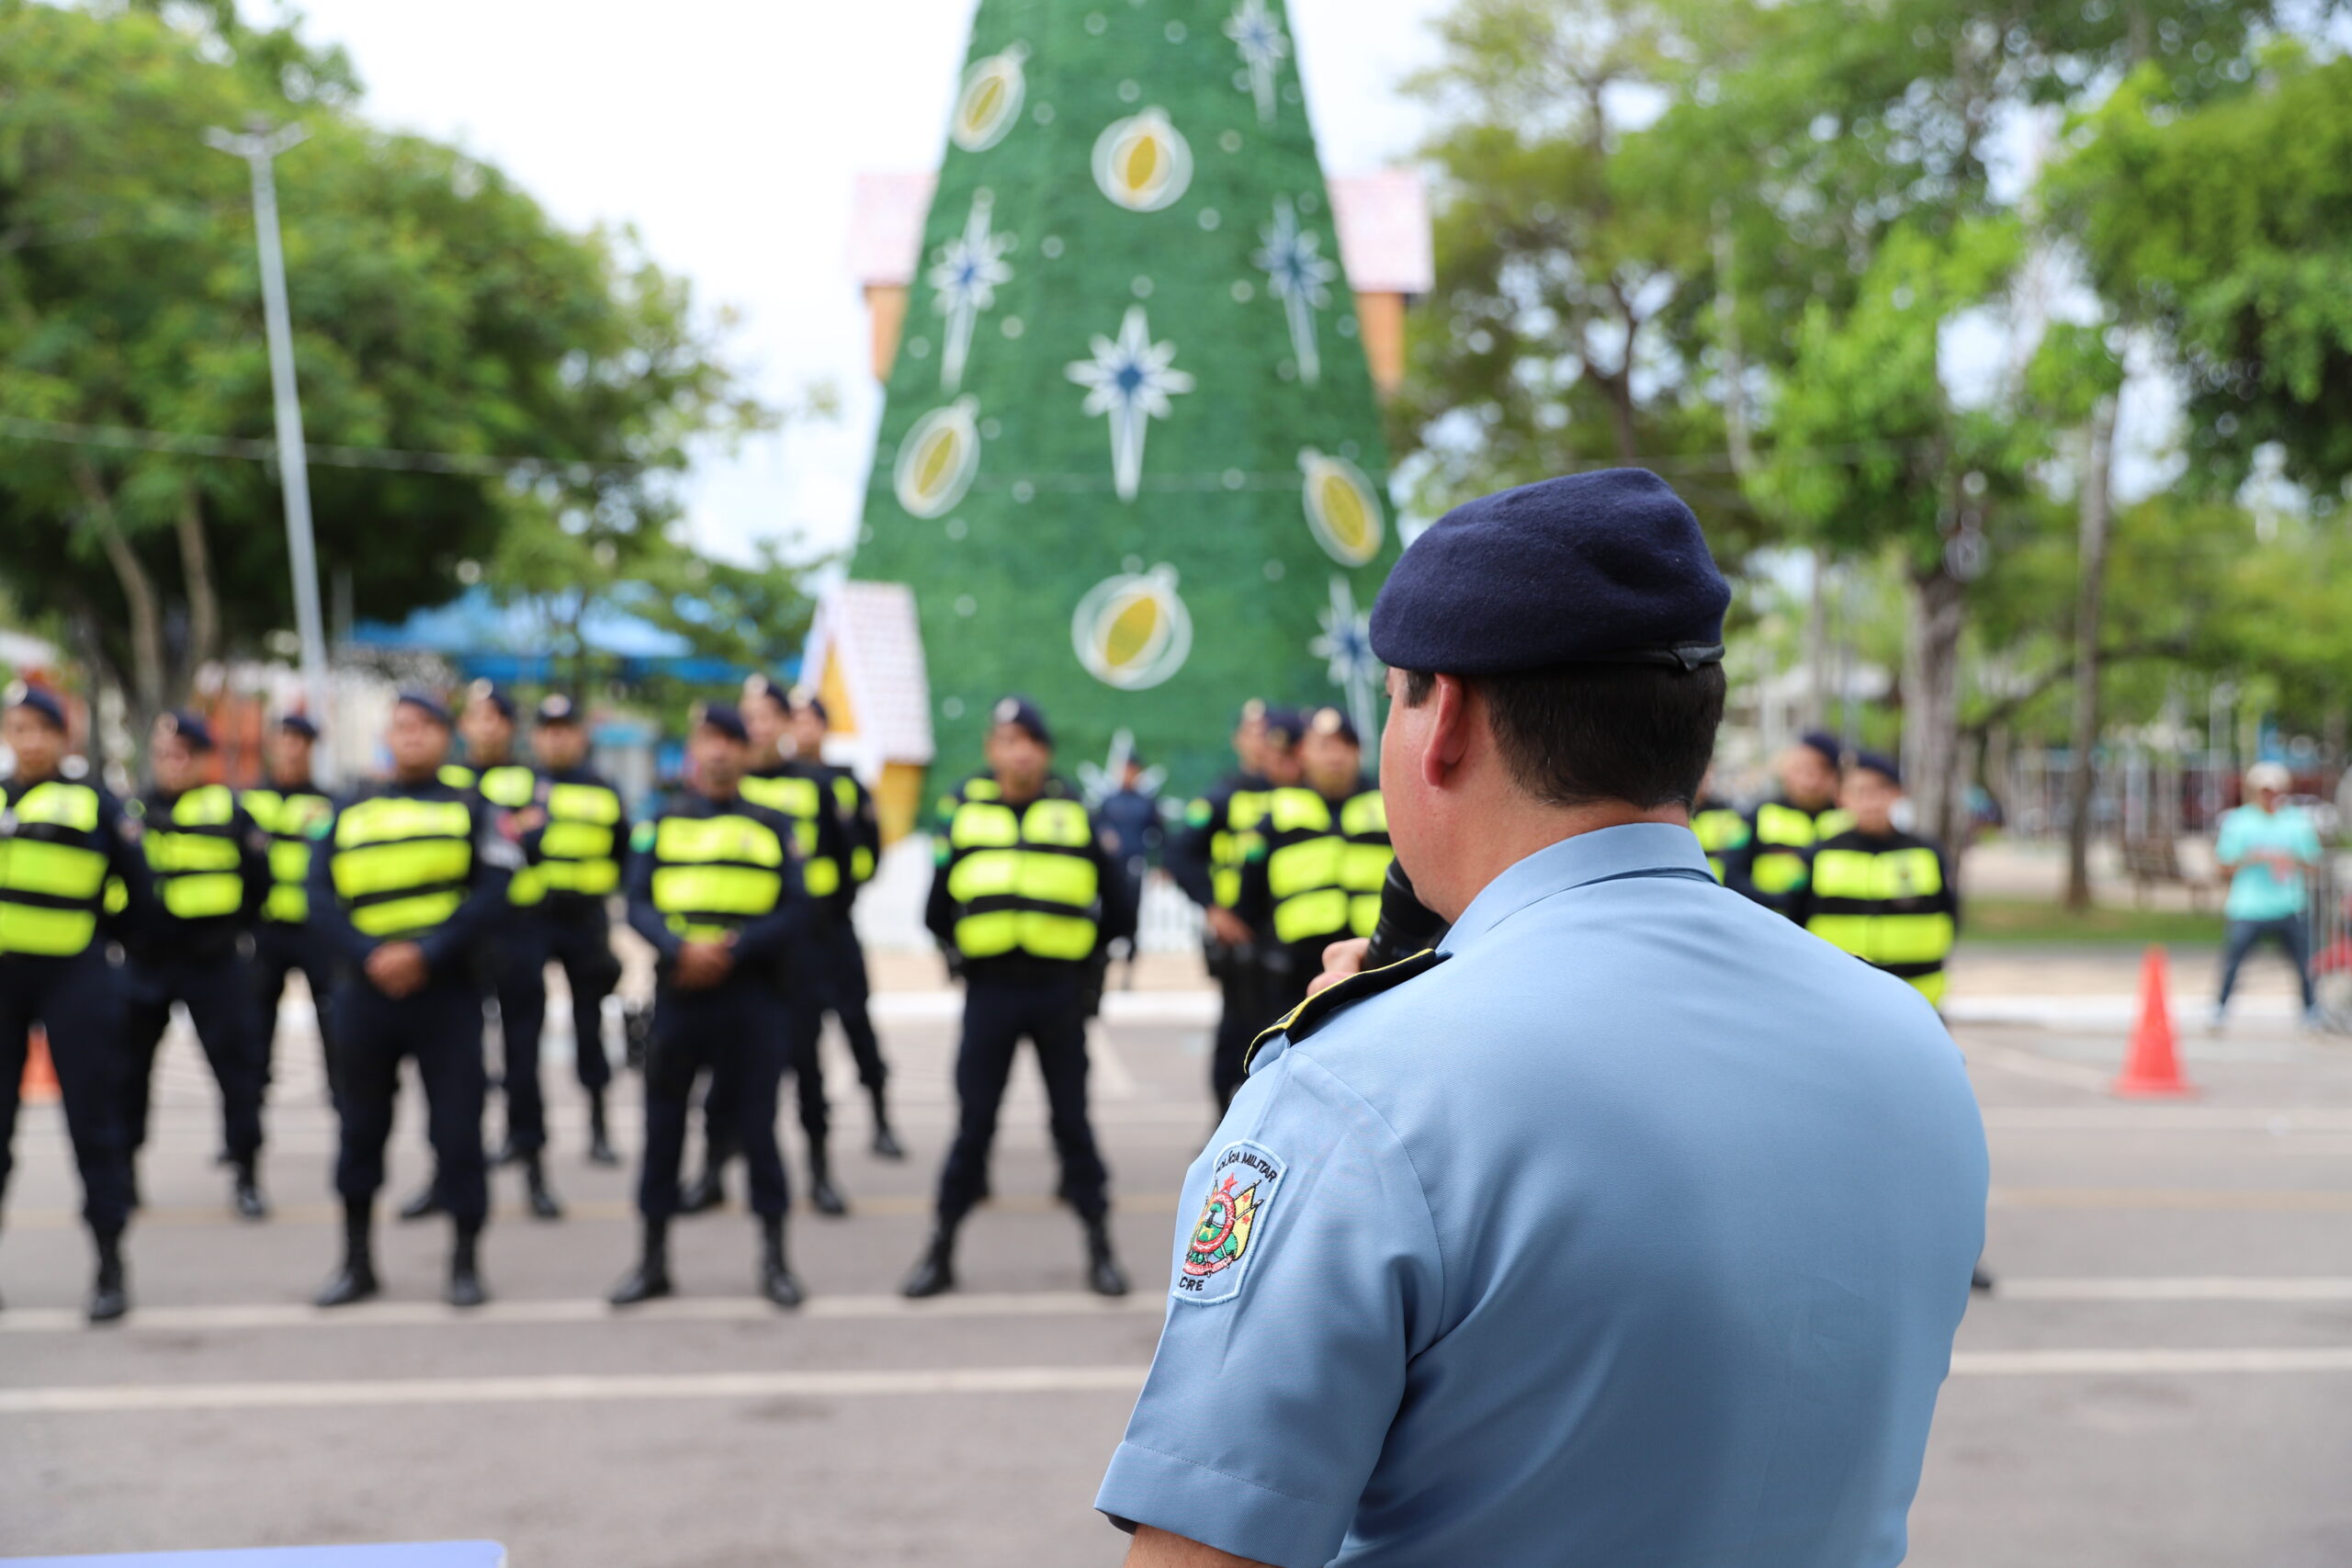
188 727
299 724
1599 568
1022 714
1820 740
557 709
725 717
1334 721
37 699
425 703
488 691
1877 763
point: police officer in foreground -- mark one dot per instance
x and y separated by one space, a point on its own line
1205 858
289 808
846 985
1783 831
577 833
1025 896
405 884
714 885
209 865
1631 1224
512 962
61 841
1313 875
1879 893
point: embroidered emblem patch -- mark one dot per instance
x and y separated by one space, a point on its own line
1243 1181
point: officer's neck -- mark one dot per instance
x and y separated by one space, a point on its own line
484 759
715 792
28 777
296 783
1021 794
416 777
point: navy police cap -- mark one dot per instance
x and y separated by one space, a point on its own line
1877 763
488 691
37 699
1334 721
803 700
1825 744
725 717
557 709
1022 714
299 724
1606 568
1283 727
188 727
425 703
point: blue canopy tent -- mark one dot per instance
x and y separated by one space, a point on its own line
509 643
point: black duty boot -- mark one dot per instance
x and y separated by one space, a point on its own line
823 1196
600 1141
110 1298
934 1272
356 1280
535 1186
1103 1274
776 1282
651 1277
246 1194
422 1202
703 1193
465 1276
886 1141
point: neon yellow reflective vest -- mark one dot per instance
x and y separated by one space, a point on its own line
850 797
1781 834
193 853
510 786
580 845
1232 838
290 817
712 875
52 869
401 863
1889 902
1723 833
1325 862
804 798
1022 879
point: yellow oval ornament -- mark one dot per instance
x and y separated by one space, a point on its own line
990 102
938 458
1132 631
1143 163
1342 509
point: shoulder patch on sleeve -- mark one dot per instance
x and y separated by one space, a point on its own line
1198 813
1317 1009
641 838
1244 1181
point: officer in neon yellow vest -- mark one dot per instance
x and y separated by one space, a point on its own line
1205 857
1884 895
514 962
62 839
579 835
842 966
714 885
405 884
1782 830
288 809
804 796
1724 834
1315 876
210 867
1025 898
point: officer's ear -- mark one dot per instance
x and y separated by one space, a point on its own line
1440 728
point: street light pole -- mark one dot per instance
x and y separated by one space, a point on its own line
259 147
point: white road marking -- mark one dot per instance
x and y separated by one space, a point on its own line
140 1398
2158 1363
2025 1064
408 1315
2189 1288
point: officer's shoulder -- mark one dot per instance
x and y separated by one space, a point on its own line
1311 1016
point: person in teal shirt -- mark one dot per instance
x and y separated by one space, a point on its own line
2265 847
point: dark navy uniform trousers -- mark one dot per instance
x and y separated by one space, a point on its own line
737 1034
441 1026
78 1000
998 1014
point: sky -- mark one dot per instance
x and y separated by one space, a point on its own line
727 133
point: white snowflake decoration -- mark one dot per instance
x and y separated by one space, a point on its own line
968 272
1130 380
1300 275
1346 646
1264 46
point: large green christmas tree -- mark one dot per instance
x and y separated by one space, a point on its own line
1130 462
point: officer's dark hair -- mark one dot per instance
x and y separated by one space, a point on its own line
1579 734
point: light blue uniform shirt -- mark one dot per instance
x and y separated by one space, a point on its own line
2257 893
1635 1231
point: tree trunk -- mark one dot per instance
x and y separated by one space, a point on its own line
1931 706
203 598
138 596
2090 592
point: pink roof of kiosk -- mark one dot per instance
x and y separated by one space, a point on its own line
1382 219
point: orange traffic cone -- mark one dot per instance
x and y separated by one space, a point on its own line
2151 1067
39 1086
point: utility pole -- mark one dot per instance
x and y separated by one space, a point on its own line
259 147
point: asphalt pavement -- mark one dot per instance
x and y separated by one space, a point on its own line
2164 1375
